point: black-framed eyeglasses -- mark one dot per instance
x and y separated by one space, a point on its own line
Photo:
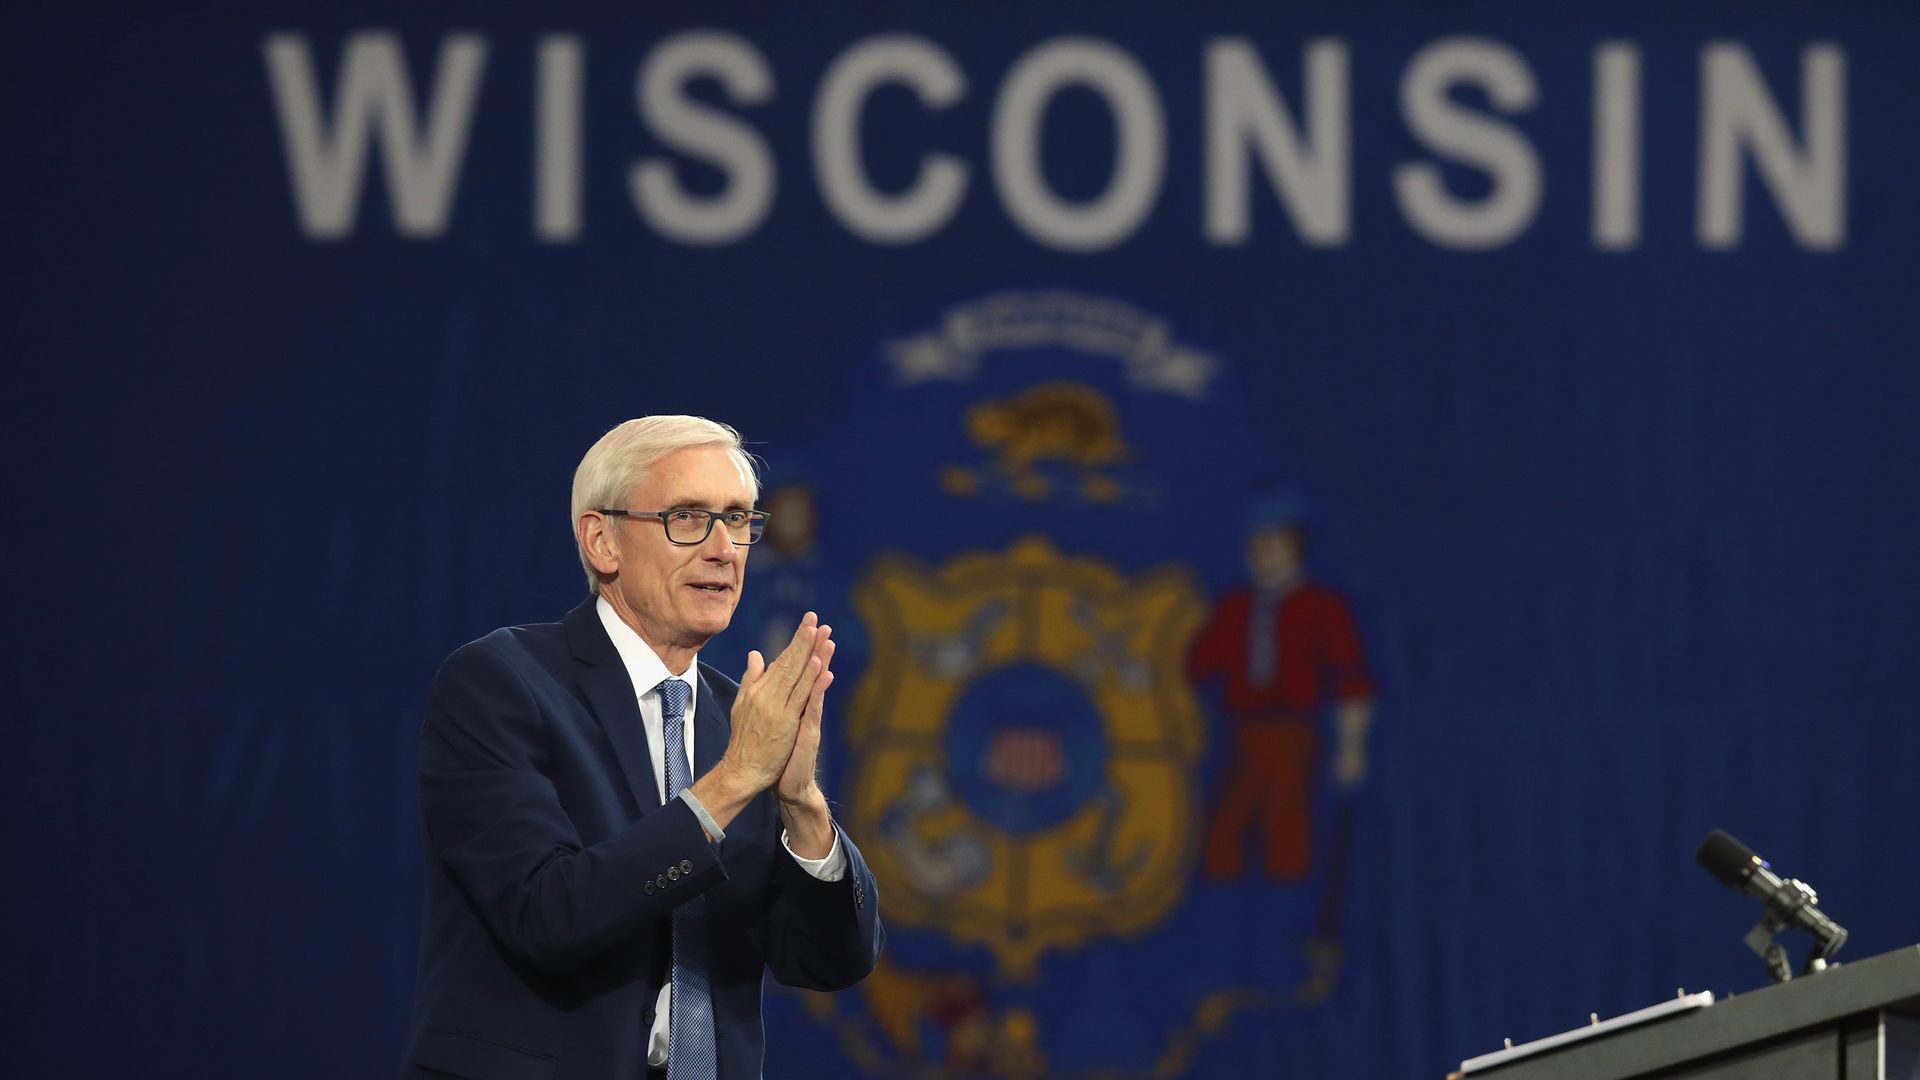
689 527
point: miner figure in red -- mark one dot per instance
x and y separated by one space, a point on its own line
1290 656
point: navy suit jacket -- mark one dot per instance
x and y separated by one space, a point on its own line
553 870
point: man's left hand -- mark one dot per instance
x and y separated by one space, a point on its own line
803 807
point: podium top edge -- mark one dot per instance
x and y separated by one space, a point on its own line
1889 981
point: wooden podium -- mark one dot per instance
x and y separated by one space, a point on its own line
1857 1021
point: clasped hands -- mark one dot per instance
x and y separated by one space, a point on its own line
776 740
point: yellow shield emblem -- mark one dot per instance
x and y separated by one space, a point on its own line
1024 746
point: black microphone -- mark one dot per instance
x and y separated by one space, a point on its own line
1789 902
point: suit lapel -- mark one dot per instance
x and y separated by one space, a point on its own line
610 693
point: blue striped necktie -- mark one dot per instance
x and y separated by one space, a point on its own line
691 1054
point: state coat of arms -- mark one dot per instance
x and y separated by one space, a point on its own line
1027 744
1109 720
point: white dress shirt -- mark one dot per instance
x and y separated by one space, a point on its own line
647 671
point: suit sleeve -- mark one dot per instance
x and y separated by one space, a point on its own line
496 825
824 935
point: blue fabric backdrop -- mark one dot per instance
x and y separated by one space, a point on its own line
1627 531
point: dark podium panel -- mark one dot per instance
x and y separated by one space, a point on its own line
1857 1021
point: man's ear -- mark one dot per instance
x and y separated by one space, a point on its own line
595 533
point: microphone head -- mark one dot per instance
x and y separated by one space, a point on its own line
1727 859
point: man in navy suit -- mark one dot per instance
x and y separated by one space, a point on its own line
621 841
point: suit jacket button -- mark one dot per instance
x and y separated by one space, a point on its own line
649 888
673 873
686 866
661 881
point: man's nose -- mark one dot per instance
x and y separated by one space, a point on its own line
719 544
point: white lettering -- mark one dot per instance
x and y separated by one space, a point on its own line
557 138
699 131
1471 138
935 193
373 94
1738 117
1616 146
1140 130
1312 174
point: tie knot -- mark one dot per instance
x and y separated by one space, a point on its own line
674 696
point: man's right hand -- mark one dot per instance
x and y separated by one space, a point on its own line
766 720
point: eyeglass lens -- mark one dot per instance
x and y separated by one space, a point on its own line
692 526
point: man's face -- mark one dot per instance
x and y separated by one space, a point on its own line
1273 556
682 596
790 519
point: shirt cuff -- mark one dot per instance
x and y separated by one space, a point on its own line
714 833
831 868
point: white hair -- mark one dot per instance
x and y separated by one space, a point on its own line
621 458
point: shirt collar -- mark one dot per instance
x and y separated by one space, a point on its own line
643 665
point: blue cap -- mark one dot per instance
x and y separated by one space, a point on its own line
1278 510
786 470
